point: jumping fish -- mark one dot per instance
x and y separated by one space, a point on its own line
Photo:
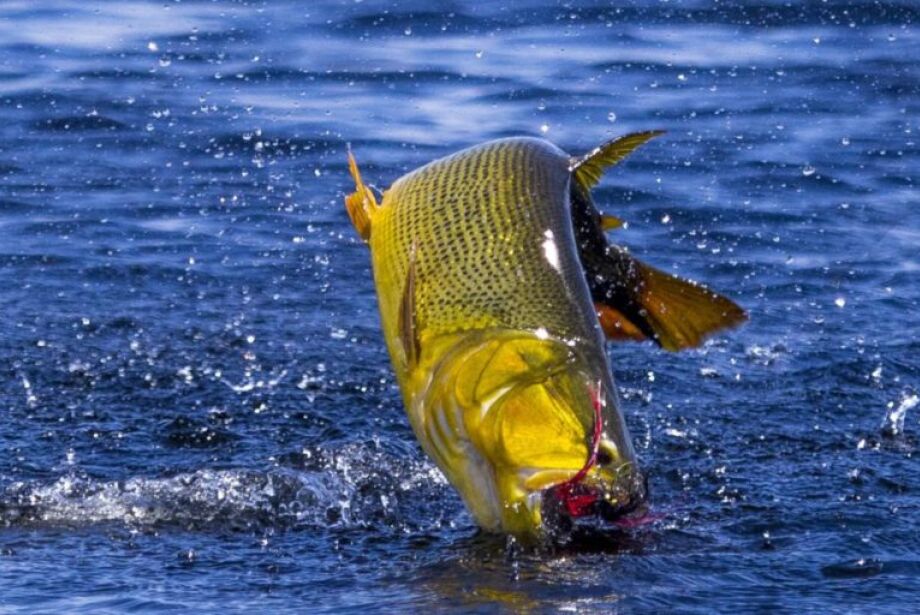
497 287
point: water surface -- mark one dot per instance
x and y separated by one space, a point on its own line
197 405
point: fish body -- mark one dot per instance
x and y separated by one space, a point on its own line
491 322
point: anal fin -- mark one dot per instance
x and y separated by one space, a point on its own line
616 326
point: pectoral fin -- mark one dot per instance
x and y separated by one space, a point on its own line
408 332
360 204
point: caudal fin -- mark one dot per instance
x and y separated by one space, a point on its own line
646 303
635 301
684 313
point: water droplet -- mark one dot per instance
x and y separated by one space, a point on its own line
845 141
164 61
665 219
840 302
544 128
611 117
894 418
152 46
478 54
808 170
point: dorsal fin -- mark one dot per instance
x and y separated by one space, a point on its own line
589 168
360 204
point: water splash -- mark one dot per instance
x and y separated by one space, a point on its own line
894 418
351 487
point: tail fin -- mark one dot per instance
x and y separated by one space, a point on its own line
360 204
683 313
675 313
635 301
589 168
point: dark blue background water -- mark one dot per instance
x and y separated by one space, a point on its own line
196 406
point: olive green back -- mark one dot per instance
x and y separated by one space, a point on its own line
491 232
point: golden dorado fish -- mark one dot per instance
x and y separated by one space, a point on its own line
496 286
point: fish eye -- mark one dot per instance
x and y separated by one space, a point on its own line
606 453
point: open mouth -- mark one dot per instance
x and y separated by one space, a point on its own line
622 503
625 505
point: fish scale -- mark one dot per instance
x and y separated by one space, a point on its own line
479 220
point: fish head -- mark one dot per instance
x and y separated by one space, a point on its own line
560 457
529 432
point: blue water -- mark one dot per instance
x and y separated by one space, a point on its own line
196 405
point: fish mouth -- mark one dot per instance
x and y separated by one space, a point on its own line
614 501
624 504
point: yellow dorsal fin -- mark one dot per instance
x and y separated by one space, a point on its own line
589 168
360 204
